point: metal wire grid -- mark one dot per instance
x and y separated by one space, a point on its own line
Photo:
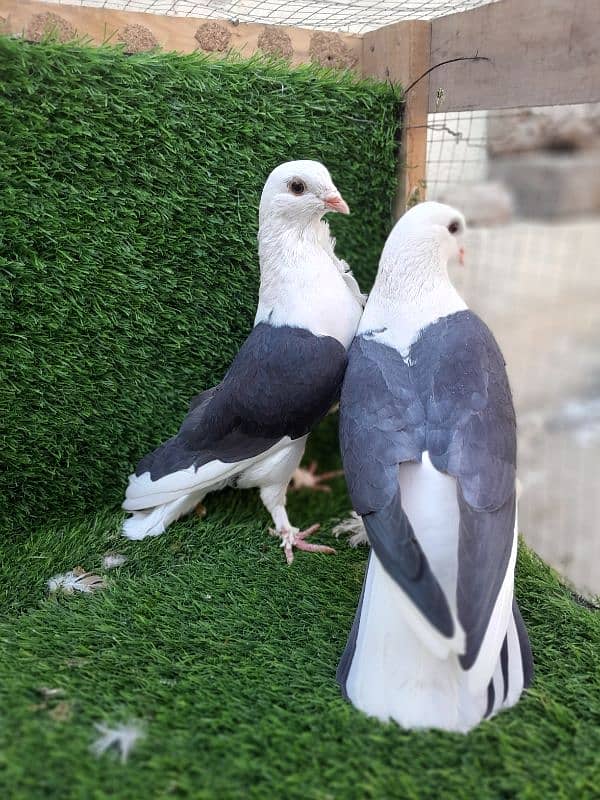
456 149
536 284
353 17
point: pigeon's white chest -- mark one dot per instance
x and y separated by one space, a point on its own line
333 311
321 303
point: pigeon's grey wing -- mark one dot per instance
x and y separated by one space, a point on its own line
381 426
281 383
471 435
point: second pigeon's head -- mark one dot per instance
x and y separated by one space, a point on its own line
298 193
430 225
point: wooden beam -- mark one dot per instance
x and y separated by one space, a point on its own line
178 33
542 52
400 53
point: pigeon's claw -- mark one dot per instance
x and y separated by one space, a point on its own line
309 478
292 537
355 526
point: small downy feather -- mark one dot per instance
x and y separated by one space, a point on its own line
113 560
76 580
123 738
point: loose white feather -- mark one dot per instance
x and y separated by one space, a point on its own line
123 738
76 580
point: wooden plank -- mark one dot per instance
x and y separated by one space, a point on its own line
400 53
171 33
543 52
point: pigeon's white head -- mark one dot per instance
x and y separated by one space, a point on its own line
299 192
430 226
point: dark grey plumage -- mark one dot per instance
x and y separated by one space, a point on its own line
281 383
450 397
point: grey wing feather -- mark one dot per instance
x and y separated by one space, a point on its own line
451 397
484 548
525 646
281 383
471 435
382 425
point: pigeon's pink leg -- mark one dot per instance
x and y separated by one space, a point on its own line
310 479
291 538
274 499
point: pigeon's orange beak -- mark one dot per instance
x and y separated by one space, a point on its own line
461 256
335 202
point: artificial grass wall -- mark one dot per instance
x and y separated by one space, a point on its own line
128 212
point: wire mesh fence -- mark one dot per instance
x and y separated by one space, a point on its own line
351 17
526 179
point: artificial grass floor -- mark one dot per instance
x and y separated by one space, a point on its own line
228 657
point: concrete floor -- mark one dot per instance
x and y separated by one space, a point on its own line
537 285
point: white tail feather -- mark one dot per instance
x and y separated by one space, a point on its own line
144 493
142 524
394 673
395 676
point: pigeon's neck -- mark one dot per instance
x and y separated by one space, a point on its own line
301 284
412 290
281 249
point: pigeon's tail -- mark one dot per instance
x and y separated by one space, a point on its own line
170 473
155 521
514 670
388 672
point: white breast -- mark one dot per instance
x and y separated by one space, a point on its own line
307 290
327 310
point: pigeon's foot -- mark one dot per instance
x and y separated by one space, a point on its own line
292 537
355 526
200 510
309 478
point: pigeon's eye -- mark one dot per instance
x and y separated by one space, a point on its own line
454 227
297 187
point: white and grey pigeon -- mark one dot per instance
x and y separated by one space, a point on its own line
251 429
428 438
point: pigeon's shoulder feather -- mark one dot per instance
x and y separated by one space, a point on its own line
460 375
281 383
450 396
382 422
382 425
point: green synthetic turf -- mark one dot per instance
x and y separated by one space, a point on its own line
129 189
228 658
